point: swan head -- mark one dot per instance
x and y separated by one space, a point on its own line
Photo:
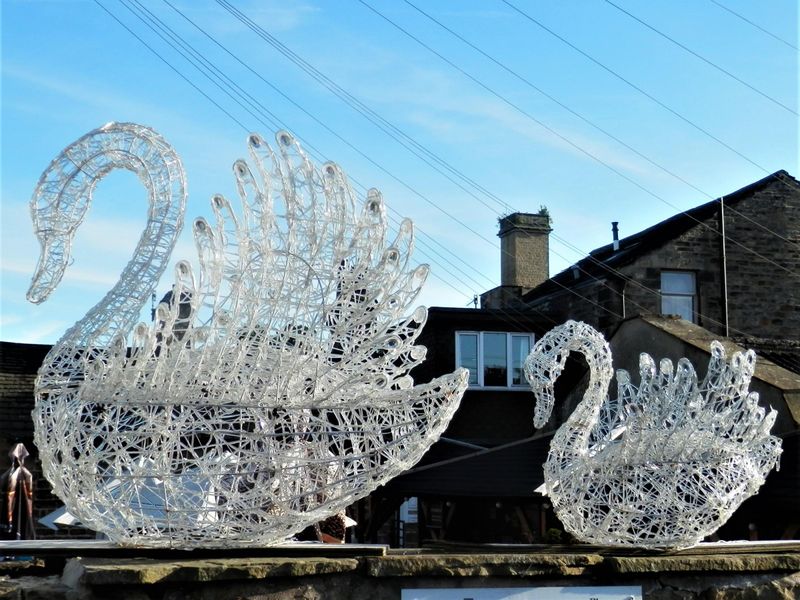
53 261
64 192
58 206
56 215
545 398
541 377
549 356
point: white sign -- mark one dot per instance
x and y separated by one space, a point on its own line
539 593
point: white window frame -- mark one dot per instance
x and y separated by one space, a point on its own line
692 296
523 386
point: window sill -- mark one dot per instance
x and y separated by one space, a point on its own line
498 388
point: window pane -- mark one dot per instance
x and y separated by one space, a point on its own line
675 282
677 305
520 348
468 355
495 369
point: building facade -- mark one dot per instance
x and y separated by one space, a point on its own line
731 265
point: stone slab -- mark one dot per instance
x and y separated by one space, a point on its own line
481 565
707 573
141 571
719 563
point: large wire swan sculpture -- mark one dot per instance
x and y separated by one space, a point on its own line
661 466
271 392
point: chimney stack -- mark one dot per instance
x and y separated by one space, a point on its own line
615 234
524 258
524 249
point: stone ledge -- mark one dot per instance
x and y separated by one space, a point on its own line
142 571
481 565
722 563
95 572
732 573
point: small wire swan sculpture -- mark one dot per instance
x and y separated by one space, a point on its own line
271 392
662 465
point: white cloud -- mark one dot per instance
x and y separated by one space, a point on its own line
41 332
449 107
86 92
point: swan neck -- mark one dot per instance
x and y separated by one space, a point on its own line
581 338
61 200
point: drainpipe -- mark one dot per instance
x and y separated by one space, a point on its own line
622 294
724 265
615 245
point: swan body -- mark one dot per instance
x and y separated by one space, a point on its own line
272 390
662 465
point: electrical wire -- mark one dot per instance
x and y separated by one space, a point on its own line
700 57
586 299
566 139
568 289
746 20
163 31
176 71
293 102
377 119
585 119
633 85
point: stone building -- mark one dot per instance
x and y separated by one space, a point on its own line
731 265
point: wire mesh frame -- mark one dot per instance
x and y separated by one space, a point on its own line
662 465
271 391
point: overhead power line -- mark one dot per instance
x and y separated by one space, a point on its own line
700 57
756 25
632 85
639 89
585 119
344 95
592 277
373 116
563 137
249 104
558 283
176 71
198 65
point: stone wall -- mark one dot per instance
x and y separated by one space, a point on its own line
700 574
763 262
763 298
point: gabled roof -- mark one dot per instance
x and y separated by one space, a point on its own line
602 261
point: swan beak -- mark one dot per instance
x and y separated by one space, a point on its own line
545 398
49 271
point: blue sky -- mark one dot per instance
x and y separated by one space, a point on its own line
68 67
